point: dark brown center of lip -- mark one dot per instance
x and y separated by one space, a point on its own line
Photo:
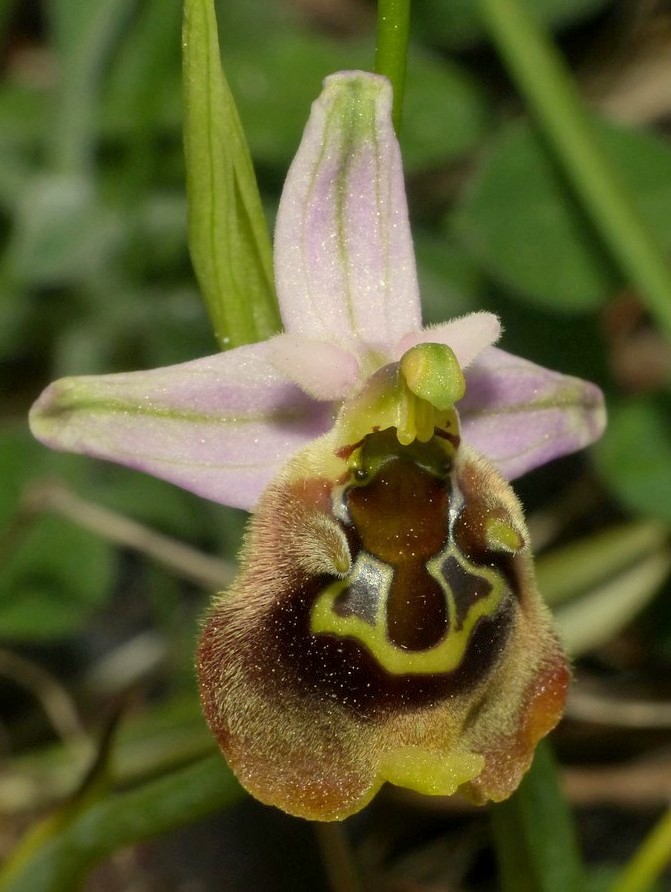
401 518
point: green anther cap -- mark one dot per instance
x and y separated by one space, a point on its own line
432 372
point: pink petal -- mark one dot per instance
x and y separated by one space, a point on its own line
324 371
344 261
468 336
221 426
521 415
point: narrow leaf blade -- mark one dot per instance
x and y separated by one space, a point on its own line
228 236
534 834
62 861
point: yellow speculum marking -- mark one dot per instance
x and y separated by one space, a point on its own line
397 502
444 657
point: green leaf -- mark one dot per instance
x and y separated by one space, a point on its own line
142 70
52 573
601 878
62 233
166 735
634 455
18 453
22 112
228 236
151 501
519 217
546 83
445 113
456 23
52 581
645 871
534 834
450 282
181 797
594 619
83 35
567 572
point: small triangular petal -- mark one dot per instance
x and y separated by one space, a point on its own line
344 261
468 336
521 415
323 370
221 426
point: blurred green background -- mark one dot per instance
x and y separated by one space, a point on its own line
98 616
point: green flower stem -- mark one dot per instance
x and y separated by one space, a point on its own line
534 834
391 51
542 77
61 862
650 860
337 856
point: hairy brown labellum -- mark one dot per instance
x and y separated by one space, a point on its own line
384 626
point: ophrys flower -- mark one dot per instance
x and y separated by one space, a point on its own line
385 623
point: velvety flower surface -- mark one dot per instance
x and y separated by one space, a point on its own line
385 624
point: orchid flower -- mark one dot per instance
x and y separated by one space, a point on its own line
385 623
